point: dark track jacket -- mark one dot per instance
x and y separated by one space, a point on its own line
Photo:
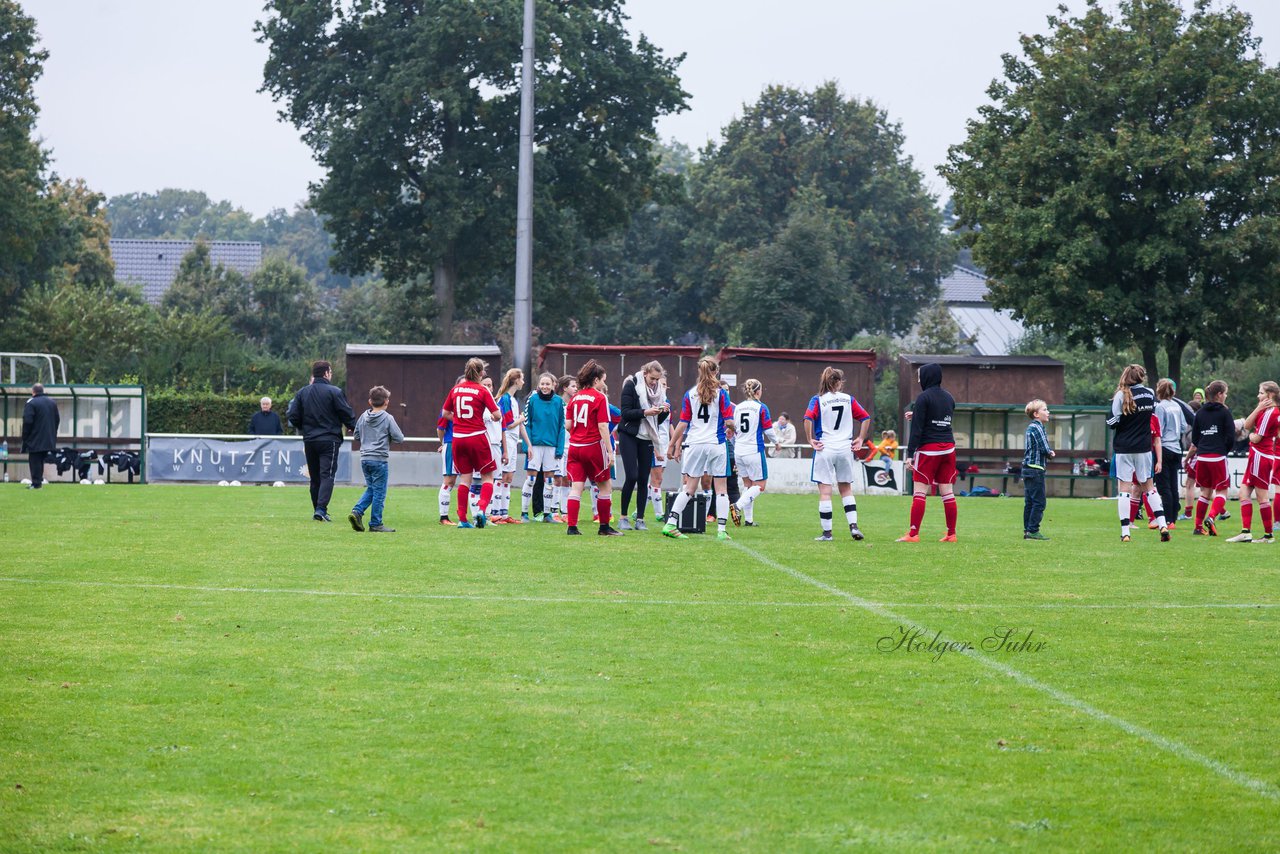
319 411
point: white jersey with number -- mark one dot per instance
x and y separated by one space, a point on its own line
833 415
752 423
706 420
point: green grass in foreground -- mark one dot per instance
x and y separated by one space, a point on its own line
200 668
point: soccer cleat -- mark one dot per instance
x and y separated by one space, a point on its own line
321 516
1242 537
1173 526
445 520
750 525
1034 535
624 524
672 531
464 524
560 519
1224 515
640 525
547 517
855 532
824 538
1164 534
573 531
524 517
1211 527
357 520
908 538
1268 539
736 515
1151 526
608 531
723 535
711 517
1199 532
481 520
381 529
1124 538
949 538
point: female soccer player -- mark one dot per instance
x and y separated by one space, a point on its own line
513 433
1213 433
444 429
828 425
931 451
706 416
590 448
566 387
1263 425
493 432
544 439
1131 410
752 425
465 407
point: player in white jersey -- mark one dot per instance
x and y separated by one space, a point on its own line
828 423
752 426
512 433
706 418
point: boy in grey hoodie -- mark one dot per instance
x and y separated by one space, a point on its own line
375 430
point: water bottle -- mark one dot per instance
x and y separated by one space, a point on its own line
4 458
1075 468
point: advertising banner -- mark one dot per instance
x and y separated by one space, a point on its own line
250 461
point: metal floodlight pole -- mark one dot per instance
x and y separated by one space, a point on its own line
524 206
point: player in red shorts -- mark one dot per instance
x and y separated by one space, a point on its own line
465 406
1213 433
932 452
590 453
1263 425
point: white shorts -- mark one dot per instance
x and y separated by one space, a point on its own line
1131 466
752 466
698 460
831 466
541 458
513 446
497 456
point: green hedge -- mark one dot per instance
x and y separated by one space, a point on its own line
205 412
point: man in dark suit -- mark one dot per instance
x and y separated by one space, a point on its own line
40 421
319 412
265 422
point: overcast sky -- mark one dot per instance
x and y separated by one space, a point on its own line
138 95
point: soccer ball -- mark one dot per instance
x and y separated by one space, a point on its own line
223 483
278 483
26 481
235 483
85 481
99 482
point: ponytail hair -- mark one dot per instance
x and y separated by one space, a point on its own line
1131 376
1164 390
1214 390
474 369
831 379
1272 391
708 379
509 379
752 388
589 373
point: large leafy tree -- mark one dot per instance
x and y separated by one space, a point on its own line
1123 185
817 149
412 109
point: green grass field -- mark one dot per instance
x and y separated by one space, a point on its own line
194 668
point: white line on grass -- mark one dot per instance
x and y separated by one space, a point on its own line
1177 748
615 599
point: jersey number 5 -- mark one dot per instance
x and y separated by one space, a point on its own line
745 422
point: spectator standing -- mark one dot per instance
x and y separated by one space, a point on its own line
644 408
375 431
265 422
1034 460
319 411
786 433
1173 424
40 420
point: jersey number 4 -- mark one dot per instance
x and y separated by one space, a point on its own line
704 413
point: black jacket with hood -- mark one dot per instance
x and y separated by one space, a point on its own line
932 411
319 412
1214 430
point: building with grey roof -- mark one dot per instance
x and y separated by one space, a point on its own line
153 264
993 332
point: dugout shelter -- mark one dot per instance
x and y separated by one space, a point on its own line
97 422
418 376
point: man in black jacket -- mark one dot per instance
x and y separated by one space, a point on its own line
319 412
265 422
40 420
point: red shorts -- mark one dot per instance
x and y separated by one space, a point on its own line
587 464
1212 474
473 454
1259 470
1189 466
934 469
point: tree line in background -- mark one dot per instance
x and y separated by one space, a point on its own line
1122 196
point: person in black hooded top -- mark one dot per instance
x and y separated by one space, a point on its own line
931 452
